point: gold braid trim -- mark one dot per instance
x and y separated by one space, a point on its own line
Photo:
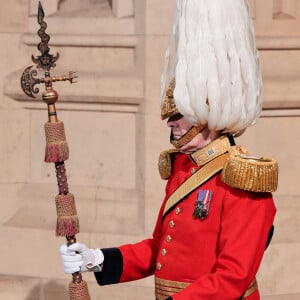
251 173
165 288
211 151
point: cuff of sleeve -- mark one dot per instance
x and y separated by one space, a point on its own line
112 267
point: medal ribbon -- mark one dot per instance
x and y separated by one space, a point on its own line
202 204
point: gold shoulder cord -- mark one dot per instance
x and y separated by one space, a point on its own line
251 173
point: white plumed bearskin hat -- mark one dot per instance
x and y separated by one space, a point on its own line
212 65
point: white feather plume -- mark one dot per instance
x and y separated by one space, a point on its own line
213 57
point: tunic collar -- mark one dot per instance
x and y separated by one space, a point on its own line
211 151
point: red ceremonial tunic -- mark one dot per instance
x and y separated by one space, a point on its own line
219 255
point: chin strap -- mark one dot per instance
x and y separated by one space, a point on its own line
187 137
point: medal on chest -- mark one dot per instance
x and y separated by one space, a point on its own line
202 204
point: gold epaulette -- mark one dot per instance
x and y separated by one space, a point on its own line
251 173
165 163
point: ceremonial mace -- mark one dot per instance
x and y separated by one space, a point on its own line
57 150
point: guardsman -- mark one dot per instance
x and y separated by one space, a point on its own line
216 218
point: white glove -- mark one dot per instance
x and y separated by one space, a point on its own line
79 258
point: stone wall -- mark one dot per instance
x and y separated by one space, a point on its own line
115 135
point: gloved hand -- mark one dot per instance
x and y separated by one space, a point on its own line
79 258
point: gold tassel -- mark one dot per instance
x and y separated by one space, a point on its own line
67 219
79 291
57 149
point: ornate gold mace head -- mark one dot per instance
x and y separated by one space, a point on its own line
46 62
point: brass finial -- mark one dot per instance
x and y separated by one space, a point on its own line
46 62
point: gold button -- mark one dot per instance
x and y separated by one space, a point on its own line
193 171
177 211
168 238
158 266
172 224
163 252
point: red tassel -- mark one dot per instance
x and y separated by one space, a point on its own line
67 226
56 152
